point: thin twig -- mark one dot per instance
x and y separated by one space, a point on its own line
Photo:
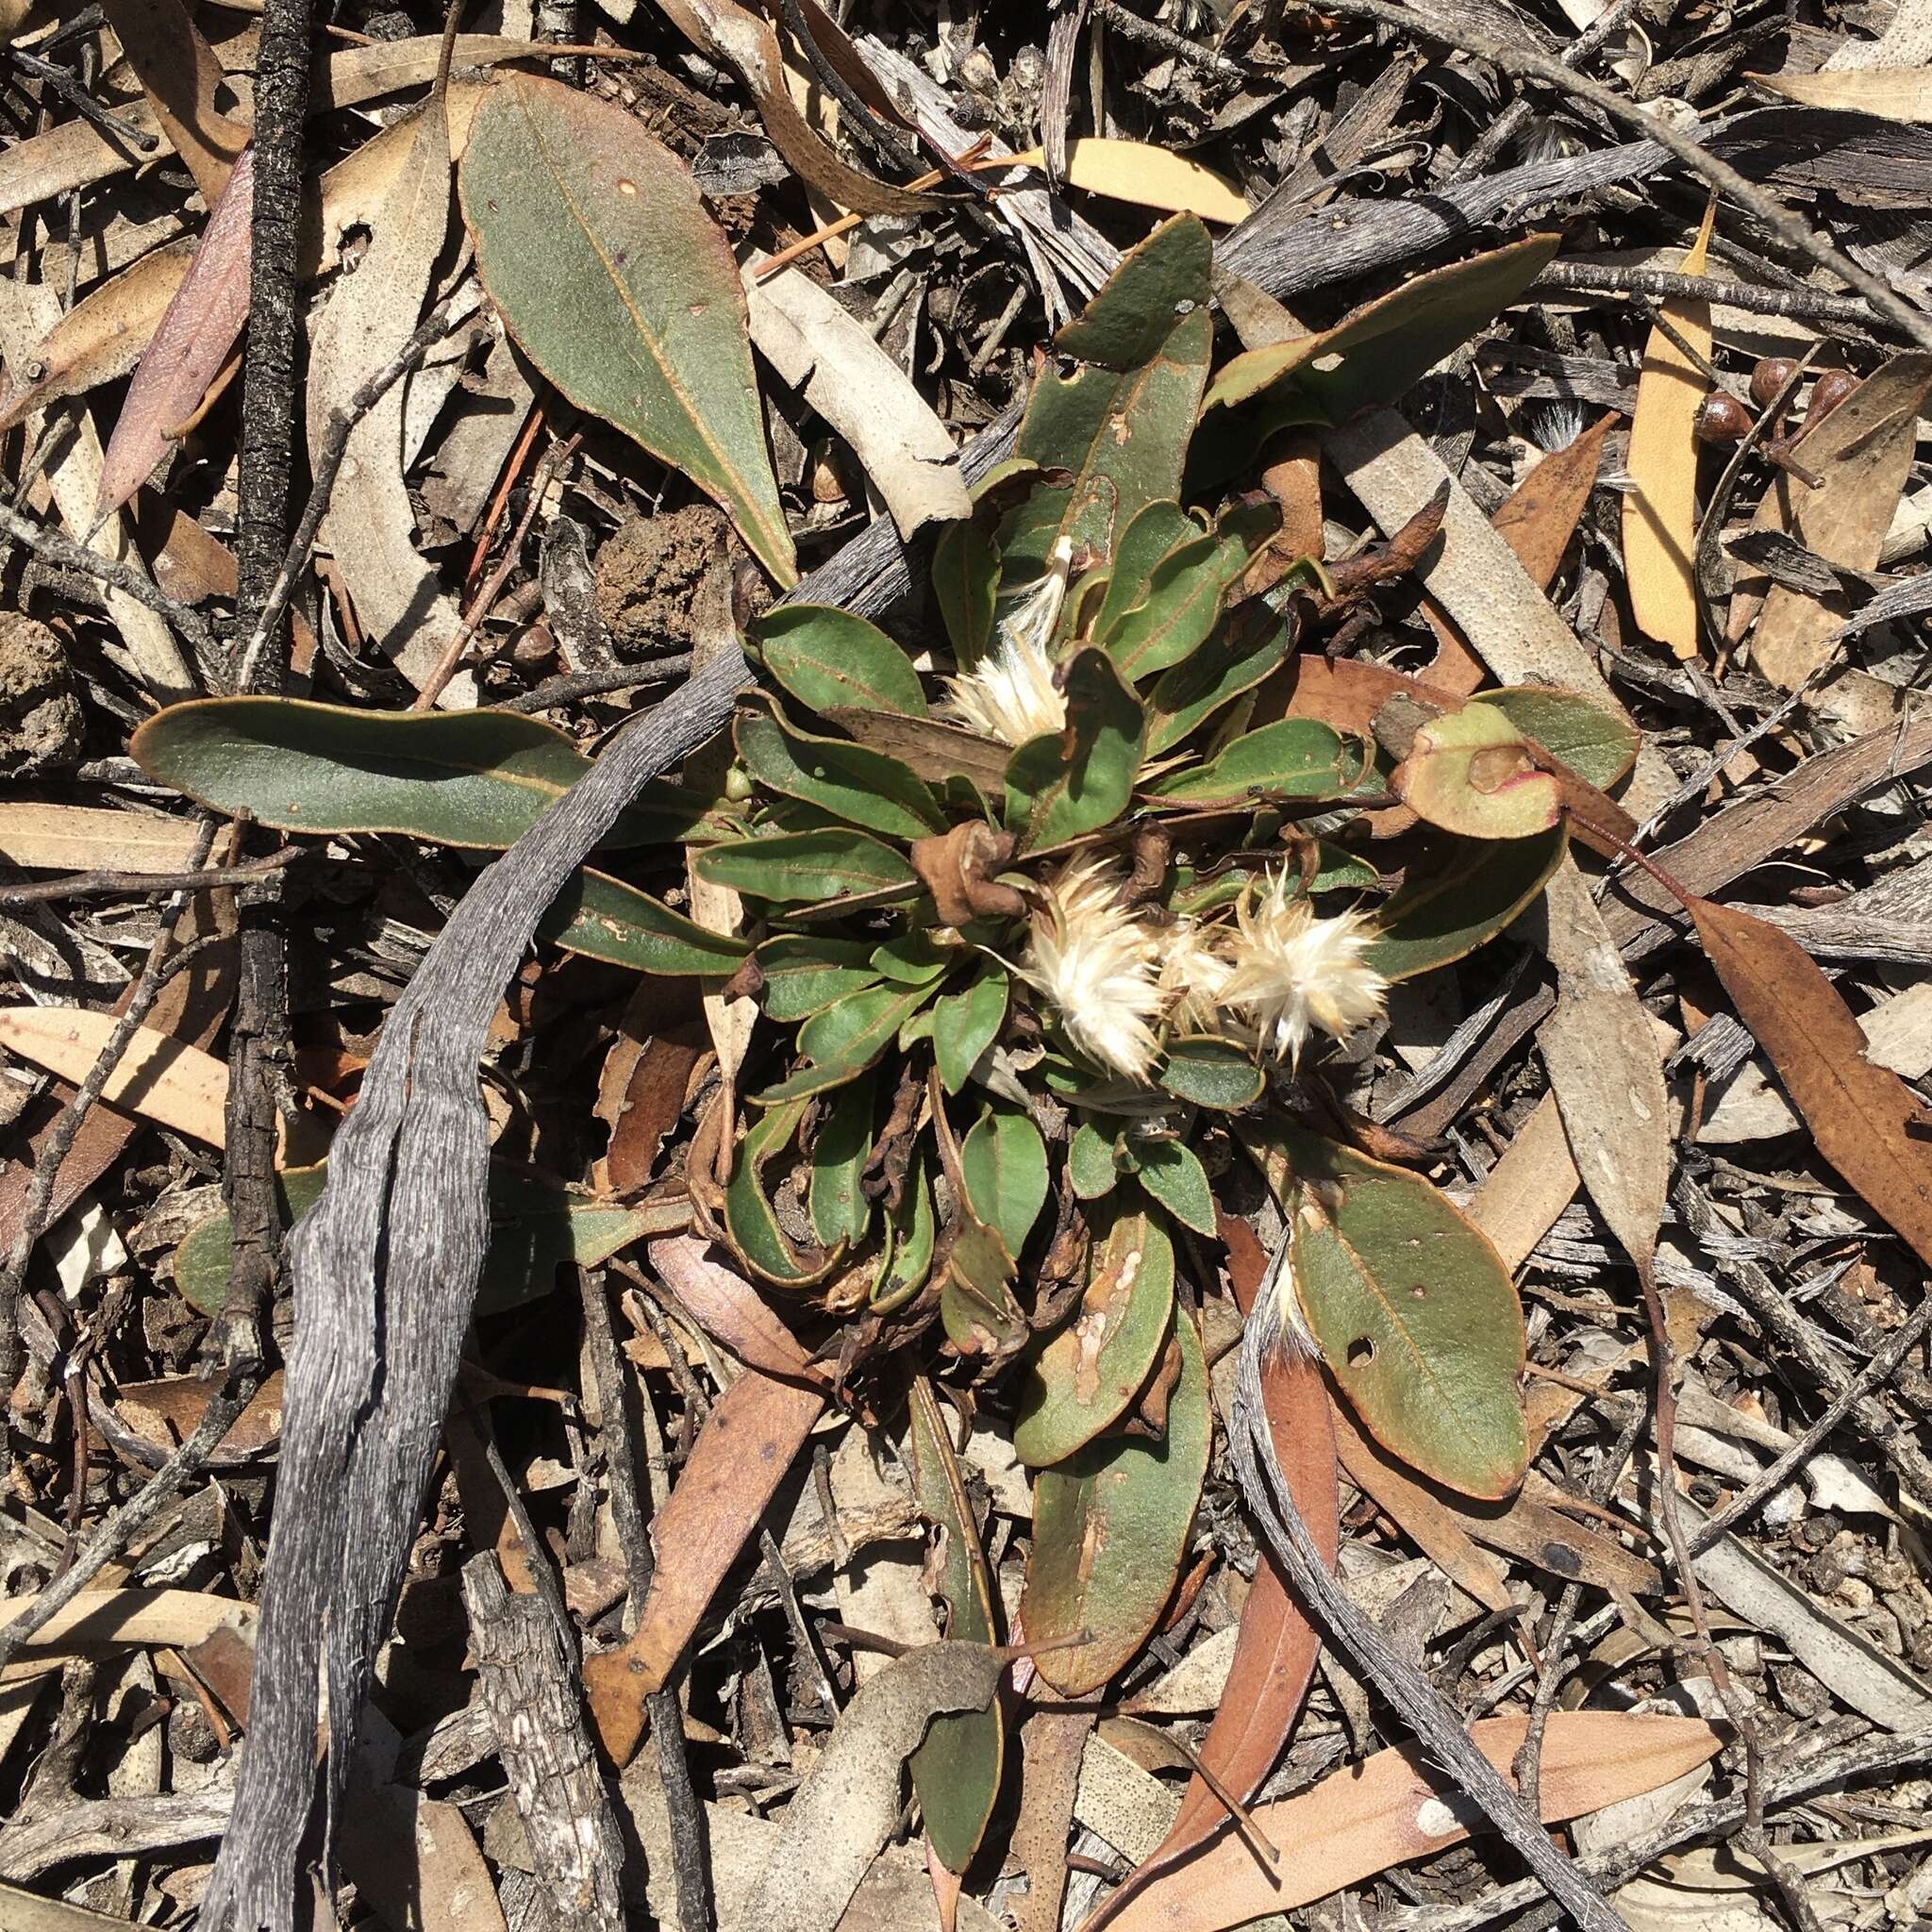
1797 305
74 92
147 885
1150 33
1531 64
566 689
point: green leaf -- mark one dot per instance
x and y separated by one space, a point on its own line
1159 530
1293 757
956 1769
844 1039
1121 422
863 786
1458 894
598 253
535 1226
976 1307
913 1232
605 919
1415 1313
1211 1073
965 585
801 868
758 1240
1082 1381
912 959
841 1210
1089 1163
964 1024
1069 782
1243 647
474 778
1110 1527
1003 1162
1592 742
805 974
829 658
1184 594
1371 356
1470 772
1172 1174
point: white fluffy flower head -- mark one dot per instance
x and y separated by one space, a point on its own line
1010 693
1194 972
1293 973
1099 967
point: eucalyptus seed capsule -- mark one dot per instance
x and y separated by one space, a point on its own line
1721 417
1828 392
1769 378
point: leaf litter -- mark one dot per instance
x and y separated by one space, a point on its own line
887 1122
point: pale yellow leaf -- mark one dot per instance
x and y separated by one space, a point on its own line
1660 505
80 838
1149 176
1895 93
159 1078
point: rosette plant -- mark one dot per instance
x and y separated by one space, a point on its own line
1053 916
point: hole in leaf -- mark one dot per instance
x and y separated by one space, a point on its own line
1362 1352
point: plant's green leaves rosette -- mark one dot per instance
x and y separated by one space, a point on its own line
1416 1315
1002 1161
1182 594
1371 356
472 778
1458 894
1211 1073
1293 757
955 1771
803 868
1110 1527
830 660
1088 1374
841 1042
964 1024
535 1226
805 973
1156 533
861 787
1122 421
605 919
1069 782
598 252
1172 1171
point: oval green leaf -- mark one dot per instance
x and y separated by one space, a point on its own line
964 1024
605 919
474 779
863 786
839 1207
597 250
750 1220
1211 1073
1416 1315
1088 1374
1110 1527
844 1039
1457 895
804 974
1469 771
1593 743
1003 1162
830 660
801 868
1172 1174
1243 647
1076 780
1293 757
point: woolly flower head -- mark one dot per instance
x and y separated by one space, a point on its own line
1010 693
1293 973
1194 972
1099 967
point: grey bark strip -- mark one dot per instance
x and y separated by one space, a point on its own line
384 1271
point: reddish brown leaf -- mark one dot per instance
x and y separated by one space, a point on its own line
1364 1818
189 347
1540 517
641 1095
1275 1654
1866 1120
740 1458
729 1308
